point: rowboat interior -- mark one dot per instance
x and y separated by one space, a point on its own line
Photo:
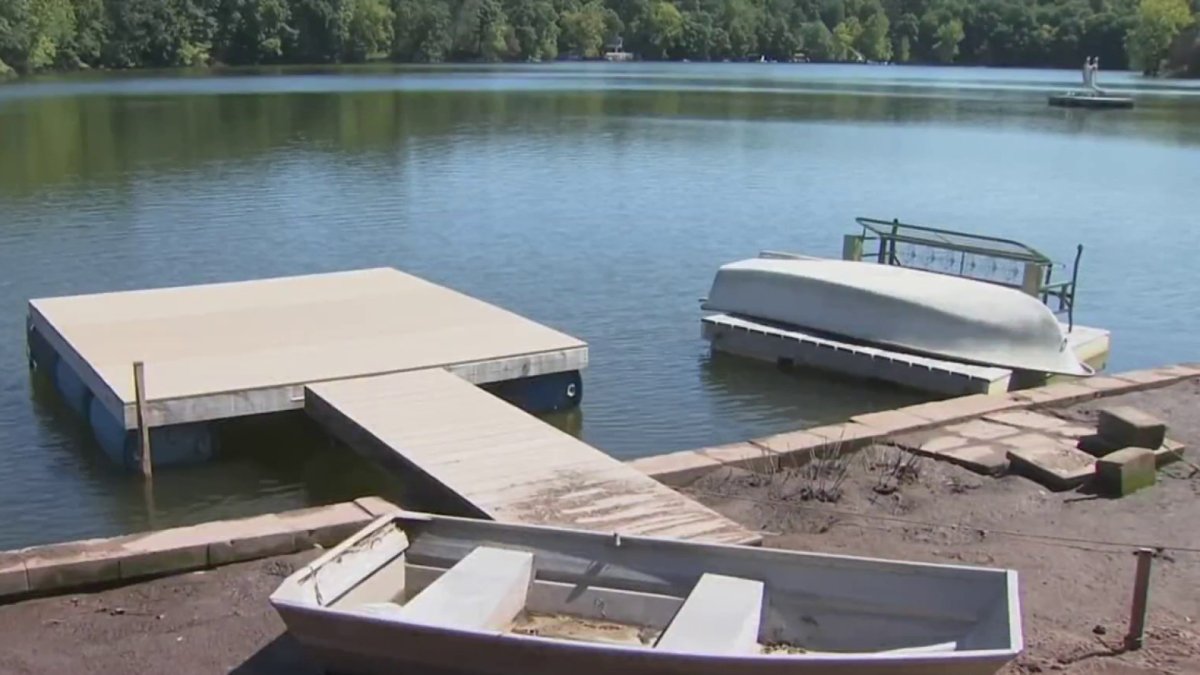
416 574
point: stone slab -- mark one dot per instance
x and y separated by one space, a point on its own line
892 421
13 579
1062 393
851 434
983 429
1127 426
960 408
1169 453
1126 471
252 538
1035 421
325 525
1150 376
747 456
676 468
982 458
792 441
1108 385
163 552
76 565
1053 462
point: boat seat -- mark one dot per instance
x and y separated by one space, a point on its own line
720 616
486 590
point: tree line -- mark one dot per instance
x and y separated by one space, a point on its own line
64 34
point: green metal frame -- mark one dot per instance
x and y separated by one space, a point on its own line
1038 268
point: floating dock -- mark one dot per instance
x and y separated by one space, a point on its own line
504 463
388 362
793 347
227 350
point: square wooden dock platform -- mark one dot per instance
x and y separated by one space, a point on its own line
231 349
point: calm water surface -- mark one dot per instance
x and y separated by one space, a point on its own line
598 199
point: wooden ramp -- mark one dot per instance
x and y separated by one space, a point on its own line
509 465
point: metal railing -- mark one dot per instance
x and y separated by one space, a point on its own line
1006 262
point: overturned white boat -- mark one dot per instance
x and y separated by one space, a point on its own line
904 309
413 593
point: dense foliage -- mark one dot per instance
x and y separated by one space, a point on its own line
41 34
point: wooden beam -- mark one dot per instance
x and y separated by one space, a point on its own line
139 391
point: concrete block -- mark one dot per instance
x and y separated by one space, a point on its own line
376 506
676 468
960 408
164 552
1108 385
851 435
1035 421
1151 376
792 441
1126 471
1179 372
1053 462
720 616
747 456
983 459
942 443
75 565
1062 393
892 421
1169 453
485 590
983 430
1127 426
253 538
13 580
325 525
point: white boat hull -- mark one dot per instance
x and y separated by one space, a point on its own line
854 616
908 310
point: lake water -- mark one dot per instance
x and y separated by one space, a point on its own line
596 198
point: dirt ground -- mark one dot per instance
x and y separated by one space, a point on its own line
1074 593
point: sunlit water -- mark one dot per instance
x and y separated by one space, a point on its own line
598 199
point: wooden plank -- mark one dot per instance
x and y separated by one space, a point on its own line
508 465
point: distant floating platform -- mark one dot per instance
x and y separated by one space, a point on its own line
793 347
234 349
1085 100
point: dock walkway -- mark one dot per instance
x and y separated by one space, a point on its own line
506 463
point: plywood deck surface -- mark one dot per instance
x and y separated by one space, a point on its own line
229 337
509 464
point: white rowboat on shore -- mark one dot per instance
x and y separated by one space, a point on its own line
414 593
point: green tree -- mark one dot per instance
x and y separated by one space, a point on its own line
845 36
253 31
1157 24
583 30
33 31
949 34
535 26
422 31
817 42
663 25
874 42
368 30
